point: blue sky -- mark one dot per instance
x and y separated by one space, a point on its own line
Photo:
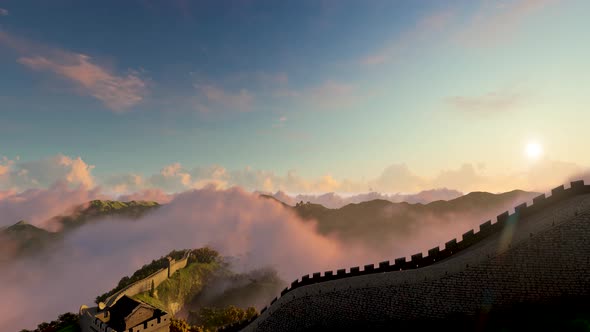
296 95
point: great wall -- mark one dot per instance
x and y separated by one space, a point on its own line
538 254
93 319
145 284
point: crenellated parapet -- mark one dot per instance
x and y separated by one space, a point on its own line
437 254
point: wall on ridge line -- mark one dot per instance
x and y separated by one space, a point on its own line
548 262
145 284
140 286
177 265
552 265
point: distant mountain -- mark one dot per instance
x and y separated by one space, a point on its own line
376 222
379 223
335 201
21 238
24 238
104 208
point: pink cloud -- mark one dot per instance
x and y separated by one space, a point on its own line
331 95
490 102
497 21
256 232
326 95
3 12
117 92
151 194
124 183
427 26
7 193
44 172
217 97
37 206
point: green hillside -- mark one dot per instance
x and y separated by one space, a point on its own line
180 288
378 221
105 208
23 238
210 294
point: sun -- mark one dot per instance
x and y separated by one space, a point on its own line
533 150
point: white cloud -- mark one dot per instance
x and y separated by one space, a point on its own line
45 172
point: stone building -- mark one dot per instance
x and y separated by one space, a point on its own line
122 313
126 315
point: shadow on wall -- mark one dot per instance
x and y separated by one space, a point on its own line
435 255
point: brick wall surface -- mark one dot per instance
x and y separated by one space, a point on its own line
536 255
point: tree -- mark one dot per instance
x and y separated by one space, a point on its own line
205 255
212 318
152 289
68 318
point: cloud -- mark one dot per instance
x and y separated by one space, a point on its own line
125 183
256 232
152 194
331 94
17 175
44 172
117 92
539 176
176 178
334 201
37 206
172 178
280 123
491 23
487 103
464 177
3 12
398 177
425 27
496 21
7 193
325 96
214 98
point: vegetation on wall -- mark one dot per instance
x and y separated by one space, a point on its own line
181 287
104 208
142 273
254 288
67 322
211 319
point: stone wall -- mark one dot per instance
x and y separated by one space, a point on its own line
537 254
177 265
140 286
145 284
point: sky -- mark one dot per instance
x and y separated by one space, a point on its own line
298 96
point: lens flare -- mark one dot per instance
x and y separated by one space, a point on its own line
533 150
